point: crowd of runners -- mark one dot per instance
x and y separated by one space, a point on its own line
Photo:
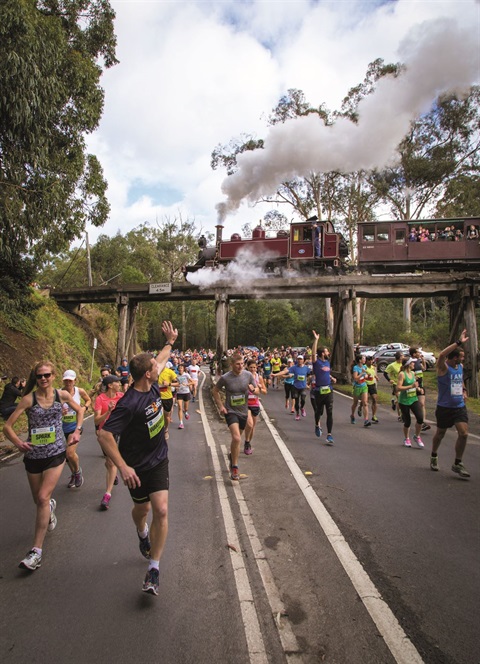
134 407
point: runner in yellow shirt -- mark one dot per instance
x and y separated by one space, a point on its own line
166 380
392 372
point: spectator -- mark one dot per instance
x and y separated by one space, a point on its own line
12 391
472 233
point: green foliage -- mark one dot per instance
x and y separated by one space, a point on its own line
49 77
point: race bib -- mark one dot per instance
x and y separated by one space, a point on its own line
456 388
411 392
237 400
69 418
252 398
301 379
419 373
156 424
325 390
43 436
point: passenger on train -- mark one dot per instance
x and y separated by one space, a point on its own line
472 233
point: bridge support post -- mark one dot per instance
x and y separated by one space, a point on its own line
462 316
122 306
221 316
342 347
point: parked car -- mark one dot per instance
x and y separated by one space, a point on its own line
430 359
395 346
383 358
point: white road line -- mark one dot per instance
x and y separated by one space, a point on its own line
253 633
395 638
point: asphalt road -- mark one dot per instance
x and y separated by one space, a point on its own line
249 574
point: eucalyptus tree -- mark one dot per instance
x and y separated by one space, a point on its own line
52 54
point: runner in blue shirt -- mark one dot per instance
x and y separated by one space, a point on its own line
323 388
300 372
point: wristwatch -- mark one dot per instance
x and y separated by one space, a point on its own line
80 429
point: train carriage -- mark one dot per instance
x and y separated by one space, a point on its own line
426 244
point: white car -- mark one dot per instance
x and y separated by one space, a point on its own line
396 346
430 358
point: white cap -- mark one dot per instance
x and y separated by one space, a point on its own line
300 357
69 375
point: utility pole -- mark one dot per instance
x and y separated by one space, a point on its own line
89 264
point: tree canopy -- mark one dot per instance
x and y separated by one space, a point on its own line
50 67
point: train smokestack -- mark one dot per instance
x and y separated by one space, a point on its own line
219 228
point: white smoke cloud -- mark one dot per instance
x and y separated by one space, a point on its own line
247 268
439 57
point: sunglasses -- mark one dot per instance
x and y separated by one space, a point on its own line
45 375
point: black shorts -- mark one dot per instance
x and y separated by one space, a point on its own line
167 404
372 389
37 466
448 417
183 397
233 418
153 480
255 410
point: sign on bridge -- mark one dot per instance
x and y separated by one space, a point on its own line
159 288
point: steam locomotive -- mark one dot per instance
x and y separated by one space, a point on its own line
387 246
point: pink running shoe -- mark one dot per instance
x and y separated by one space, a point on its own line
304 412
407 443
187 416
297 417
180 426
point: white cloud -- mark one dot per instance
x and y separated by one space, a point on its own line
195 74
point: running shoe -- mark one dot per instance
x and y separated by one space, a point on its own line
187 416
367 423
32 560
71 483
115 481
418 441
105 502
79 478
151 582
292 411
297 417
318 431
329 439
144 545
352 419
359 411
180 426
425 426
304 412
247 448
193 399
394 405
460 469
407 442
235 475
399 418
52 523
374 420
433 463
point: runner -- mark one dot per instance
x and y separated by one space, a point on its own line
167 380
185 385
360 389
300 372
451 409
276 368
104 405
391 374
194 372
253 406
142 454
267 369
408 401
323 392
69 424
44 450
237 383
419 367
372 380
288 379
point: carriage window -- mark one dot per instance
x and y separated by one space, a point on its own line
368 233
382 234
307 234
400 236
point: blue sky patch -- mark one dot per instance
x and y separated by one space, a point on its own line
159 193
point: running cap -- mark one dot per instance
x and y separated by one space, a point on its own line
108 380
300 357
69 375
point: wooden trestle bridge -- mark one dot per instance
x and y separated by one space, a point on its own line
461 289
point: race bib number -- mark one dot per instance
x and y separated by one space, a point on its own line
411 392
237 400
456 388
419 373
164 388
43 436
156 424
301 379
252 398
325 390
69 418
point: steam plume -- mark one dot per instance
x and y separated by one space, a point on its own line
440 57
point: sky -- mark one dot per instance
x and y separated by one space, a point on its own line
193 75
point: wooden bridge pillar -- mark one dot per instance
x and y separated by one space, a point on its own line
343 340
221 316
462 316
122 306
